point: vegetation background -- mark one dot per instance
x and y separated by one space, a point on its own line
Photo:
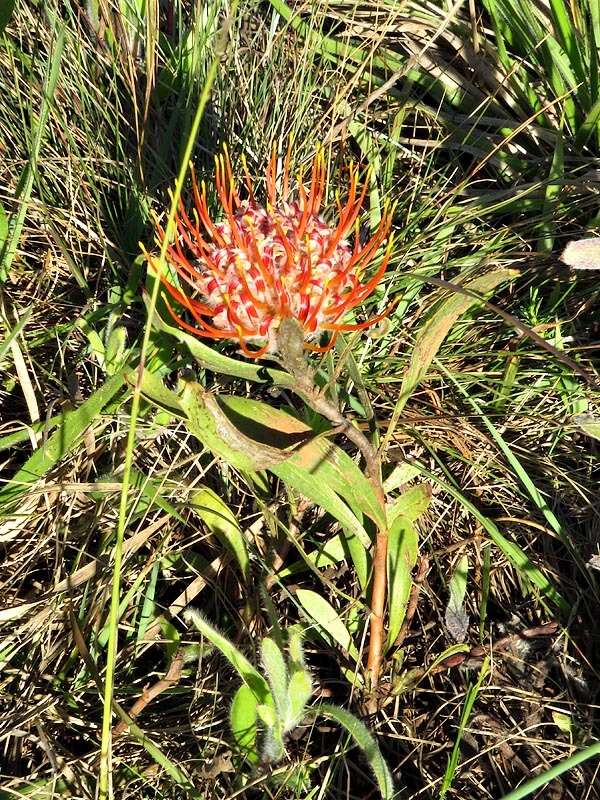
482 122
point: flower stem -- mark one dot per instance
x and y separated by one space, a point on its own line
290 342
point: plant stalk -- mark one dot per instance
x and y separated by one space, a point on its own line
290 342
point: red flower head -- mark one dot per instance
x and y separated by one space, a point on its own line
260 265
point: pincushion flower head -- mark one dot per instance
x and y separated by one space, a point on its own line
241 276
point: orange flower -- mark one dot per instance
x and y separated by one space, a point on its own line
260 265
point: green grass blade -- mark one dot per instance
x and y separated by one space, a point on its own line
58 445
470 699
104 784
540 781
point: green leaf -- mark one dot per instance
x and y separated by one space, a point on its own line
437 327
242 717
115 349
212 359
401 474
277 675
25 184
154 390
327 618
456 618
251 435
61 442
221 521
251 677
3 221
411 504
367 743
402 557
4 345
331 552
317 454
208 421
300 690
589 424
470 698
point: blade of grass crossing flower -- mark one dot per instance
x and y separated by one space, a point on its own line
105 791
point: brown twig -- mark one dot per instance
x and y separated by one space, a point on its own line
291 349
150 693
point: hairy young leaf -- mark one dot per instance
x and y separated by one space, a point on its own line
367 743
251 677
277 675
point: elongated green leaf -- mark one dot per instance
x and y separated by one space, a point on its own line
25 184
207 420
328 619
16 330
154 390
319 454
367 743
277 675
470 699
61 442
437 327
331 552
221 521
252 436
534 784
402 557
299 691
212 359
243 717
3 222
411 504
456 617
589 424
510 549
251 677
551 197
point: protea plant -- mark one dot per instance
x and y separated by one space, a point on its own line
261 264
